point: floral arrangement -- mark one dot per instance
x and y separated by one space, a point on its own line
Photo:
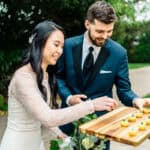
79 141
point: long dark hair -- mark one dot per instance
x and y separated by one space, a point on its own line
37 41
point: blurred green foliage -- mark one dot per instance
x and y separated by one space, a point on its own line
147 96
138 65
19 17
9 60
3 104
142 50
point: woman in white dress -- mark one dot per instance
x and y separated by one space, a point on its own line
29 94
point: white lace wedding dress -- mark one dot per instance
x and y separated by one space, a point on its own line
28 112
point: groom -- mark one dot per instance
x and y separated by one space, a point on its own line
92 63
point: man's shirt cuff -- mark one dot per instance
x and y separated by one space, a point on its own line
68 99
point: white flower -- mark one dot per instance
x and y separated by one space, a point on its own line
66 143
31 38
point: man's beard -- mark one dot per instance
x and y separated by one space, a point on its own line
94 42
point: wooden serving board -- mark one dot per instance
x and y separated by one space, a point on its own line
109 126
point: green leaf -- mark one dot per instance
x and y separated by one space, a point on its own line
54 145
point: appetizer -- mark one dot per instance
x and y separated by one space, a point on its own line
139 114
124 123
148 121
132 118
146 110
142 126
132 131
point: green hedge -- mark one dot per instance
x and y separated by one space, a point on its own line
140 51
3 104
9 61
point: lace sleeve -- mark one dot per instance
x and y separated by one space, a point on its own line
51 133
28 94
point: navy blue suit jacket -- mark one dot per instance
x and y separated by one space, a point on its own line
111 67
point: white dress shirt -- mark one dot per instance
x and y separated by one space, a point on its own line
85 51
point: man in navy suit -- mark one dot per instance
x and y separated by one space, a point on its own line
110 63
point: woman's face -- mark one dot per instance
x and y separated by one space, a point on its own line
53 48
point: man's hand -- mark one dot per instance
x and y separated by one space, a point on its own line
75 99
141 102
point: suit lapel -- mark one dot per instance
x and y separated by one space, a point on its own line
98 64
77 58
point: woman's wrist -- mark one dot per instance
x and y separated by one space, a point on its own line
91 103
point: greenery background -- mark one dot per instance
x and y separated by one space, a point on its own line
18 17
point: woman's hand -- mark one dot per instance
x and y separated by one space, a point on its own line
62 136
104 103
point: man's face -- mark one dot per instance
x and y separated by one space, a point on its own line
99 32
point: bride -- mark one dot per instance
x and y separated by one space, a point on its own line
31 99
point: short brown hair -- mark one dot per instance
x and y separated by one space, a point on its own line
101 11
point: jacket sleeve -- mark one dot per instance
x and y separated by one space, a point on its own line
123 85
28 94
63 89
